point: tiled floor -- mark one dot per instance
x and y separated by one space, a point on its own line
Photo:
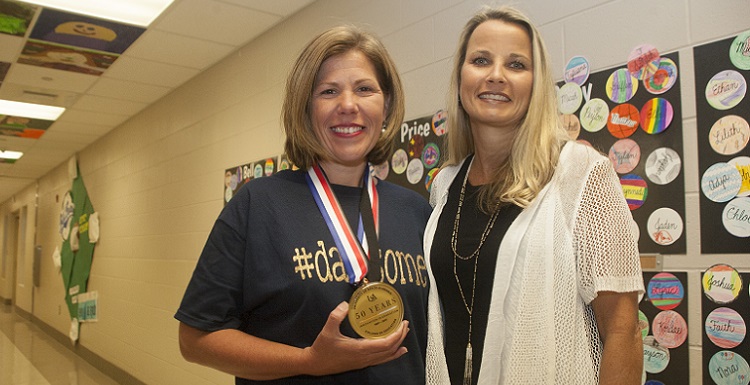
30 357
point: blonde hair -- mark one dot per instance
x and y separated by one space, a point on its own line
302 145
539 136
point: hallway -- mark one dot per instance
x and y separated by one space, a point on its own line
28 356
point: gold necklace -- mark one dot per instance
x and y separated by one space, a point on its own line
454 245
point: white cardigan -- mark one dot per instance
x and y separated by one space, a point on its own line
573 241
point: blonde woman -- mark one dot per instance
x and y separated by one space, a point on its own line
535 278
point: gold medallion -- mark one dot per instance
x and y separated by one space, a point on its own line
375 310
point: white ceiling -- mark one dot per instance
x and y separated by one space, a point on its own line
189 37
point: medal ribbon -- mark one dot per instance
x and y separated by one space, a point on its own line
353 249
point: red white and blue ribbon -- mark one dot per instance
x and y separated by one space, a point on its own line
353 249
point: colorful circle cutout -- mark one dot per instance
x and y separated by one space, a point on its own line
625 155
664 226
736 217
635 190
725 327
726 89
577 70
569 98
655 356
643 61
739 51
670 329
729 368
663 79
621 86
663 165
665 291
729 135
623 120
721 182
721 283
594 115
656 115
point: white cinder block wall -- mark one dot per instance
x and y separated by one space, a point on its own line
157 179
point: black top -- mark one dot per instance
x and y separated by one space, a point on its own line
472 225
270 268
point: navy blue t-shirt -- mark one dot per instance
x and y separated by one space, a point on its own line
270 268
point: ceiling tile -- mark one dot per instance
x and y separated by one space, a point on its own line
216 21
80 116
108 105
282 8
48 78
149 72
37 95
127 90
170 48
15 143
87 128
10 47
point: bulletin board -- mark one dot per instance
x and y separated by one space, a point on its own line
722 70
663 315
418 154
725 309
648 157
236 177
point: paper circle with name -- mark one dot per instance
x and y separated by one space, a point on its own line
399 161
656 115
440 123
655 356
721 283
729 135
664 226
663 165
669 328
572 125
380 171
726 89
665 291
739 51
625 155
721 182
742 163
621 86
594 114
736 217
270 166
729 368
430 155
643 61
258 171
623 120
569 98
577 70
429 178
414 171
643 324
635 190
663 79
725 327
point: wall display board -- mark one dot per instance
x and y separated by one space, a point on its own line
663 321
722 70
237 176
418 154
638 124
725 311
77 251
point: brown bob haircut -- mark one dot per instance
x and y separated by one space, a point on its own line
302 145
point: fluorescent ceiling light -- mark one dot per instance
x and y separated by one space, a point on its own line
28 110
15 155
136 12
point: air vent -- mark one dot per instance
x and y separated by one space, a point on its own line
39 97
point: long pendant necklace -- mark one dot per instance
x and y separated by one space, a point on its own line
454 246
